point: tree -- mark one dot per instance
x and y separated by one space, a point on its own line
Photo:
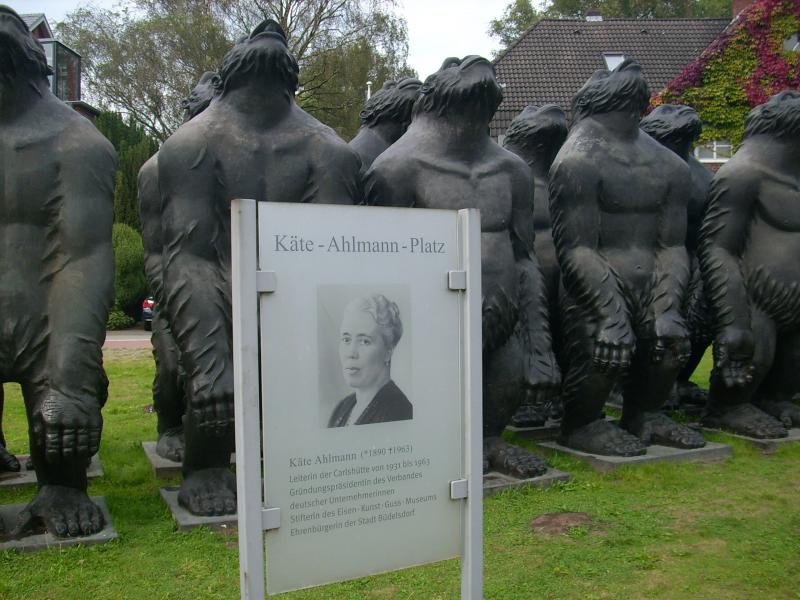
144 58
642 9
134 146
517 17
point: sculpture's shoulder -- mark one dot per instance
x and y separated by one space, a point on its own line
148 179
187 148
80 147
743 171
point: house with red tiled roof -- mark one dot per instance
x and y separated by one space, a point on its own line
555 57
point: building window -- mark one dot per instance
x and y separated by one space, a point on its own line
66 65
715 151
613 60
792 43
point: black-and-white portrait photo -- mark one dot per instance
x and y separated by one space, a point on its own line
370 334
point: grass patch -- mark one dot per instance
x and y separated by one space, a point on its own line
726 530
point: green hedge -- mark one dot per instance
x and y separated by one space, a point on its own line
130 285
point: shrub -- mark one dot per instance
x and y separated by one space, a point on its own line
130 285
118 320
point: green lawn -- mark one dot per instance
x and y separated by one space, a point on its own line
721 531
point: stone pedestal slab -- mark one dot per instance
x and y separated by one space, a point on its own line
494 481
187 520
710 452
765 444
41 541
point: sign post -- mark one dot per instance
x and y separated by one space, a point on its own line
368 410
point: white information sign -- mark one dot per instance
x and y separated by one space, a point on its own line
369 387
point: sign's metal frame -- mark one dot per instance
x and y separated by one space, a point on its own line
253 517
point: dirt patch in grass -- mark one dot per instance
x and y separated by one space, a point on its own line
559 523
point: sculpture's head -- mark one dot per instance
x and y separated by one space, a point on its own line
623 89
392 103
778 116
464 87
200 97
674 126
263 55
538 130
21 56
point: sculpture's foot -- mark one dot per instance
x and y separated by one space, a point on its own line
658 428
65 511
209 492
171 444
512 460
690 393
786 412
745 419
605 438
529 415
8 462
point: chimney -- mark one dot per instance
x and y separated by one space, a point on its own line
739 6
594 14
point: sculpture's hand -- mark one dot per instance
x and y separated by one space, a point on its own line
671 334
211 402
543 379
733 355
613 346
68 428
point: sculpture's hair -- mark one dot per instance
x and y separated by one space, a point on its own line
672 124
778 116
386 315
201 95
29 58
534 126
442 90
264 52
393 102
609 91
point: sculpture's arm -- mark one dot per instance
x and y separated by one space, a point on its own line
338 172
543 372
575 210
80 264
723 237
150 217
196 262
672 270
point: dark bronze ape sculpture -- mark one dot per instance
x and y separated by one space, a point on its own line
618 200
385 118
169 392
536 135
56 278
749 256
447 160
252 141
677 128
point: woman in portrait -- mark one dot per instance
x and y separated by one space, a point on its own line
371 328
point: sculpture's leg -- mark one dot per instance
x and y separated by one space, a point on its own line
209 485
61 502
168 391
585 390
782 384
646 390
731 408
503 391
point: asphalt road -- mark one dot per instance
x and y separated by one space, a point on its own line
128 338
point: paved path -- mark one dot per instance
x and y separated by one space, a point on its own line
127 338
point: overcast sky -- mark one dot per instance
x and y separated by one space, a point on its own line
437 28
